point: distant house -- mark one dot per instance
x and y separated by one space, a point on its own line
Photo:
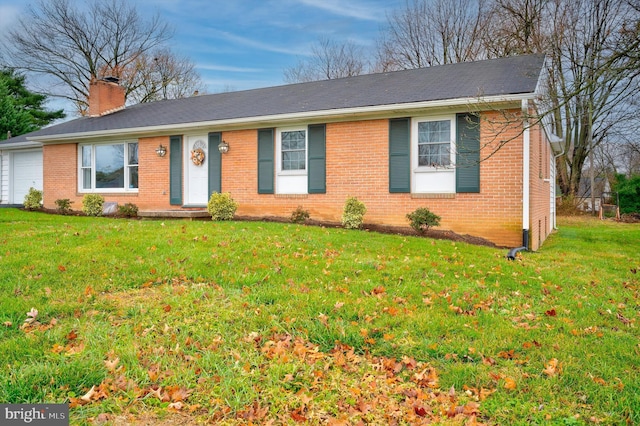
453 138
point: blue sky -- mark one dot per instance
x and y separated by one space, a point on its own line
244 44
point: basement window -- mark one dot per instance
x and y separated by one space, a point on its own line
108 167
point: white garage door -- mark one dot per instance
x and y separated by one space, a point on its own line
26 171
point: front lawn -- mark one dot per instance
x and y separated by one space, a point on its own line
181 322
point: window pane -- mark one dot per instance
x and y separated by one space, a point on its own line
86 156
434 131
86 178
133 153
293 160
133 177
110 166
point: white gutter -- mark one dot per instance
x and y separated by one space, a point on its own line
24 144
526 168
271 120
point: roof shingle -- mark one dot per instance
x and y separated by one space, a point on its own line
504 76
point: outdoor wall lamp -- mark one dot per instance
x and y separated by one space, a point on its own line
161 150
223 147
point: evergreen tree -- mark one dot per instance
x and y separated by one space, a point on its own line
21 111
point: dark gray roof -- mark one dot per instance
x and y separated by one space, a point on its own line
504 76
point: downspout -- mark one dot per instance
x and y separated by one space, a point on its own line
526 142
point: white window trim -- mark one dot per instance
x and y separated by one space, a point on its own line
447 172
127 166
279 170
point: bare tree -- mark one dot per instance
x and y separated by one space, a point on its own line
329 60
437 32
517 27
594 78
161 75
71 44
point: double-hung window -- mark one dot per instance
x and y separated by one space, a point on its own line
291 160
294 150
433 159
108 167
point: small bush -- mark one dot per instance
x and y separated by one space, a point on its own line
33 199
353 213
63 205
422 219
568 206
128 210
299 215
92 204
221 206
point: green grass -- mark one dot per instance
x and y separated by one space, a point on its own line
237 322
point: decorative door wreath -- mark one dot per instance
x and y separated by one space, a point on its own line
197 153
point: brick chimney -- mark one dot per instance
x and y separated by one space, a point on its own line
105 96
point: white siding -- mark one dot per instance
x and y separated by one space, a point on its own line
4 178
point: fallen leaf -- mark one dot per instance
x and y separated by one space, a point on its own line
420 410
111 364
31 316
87 396
550 313
175 406
324 319
72 335
166 308
61 268
510 384
552 368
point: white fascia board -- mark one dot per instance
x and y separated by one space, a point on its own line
20 145
283 118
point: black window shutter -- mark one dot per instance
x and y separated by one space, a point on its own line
215 163
265 161
317 159
467 153
399 155
175 170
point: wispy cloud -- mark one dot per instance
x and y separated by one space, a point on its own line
259 45
351 9
214 67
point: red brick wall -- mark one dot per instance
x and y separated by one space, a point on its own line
357 165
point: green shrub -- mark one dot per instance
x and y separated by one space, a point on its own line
33 199
421 219
221 206
353 213
128 210
92 204
64 205
299 215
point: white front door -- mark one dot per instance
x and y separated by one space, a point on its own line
196 171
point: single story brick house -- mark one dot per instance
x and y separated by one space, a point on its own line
454 138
